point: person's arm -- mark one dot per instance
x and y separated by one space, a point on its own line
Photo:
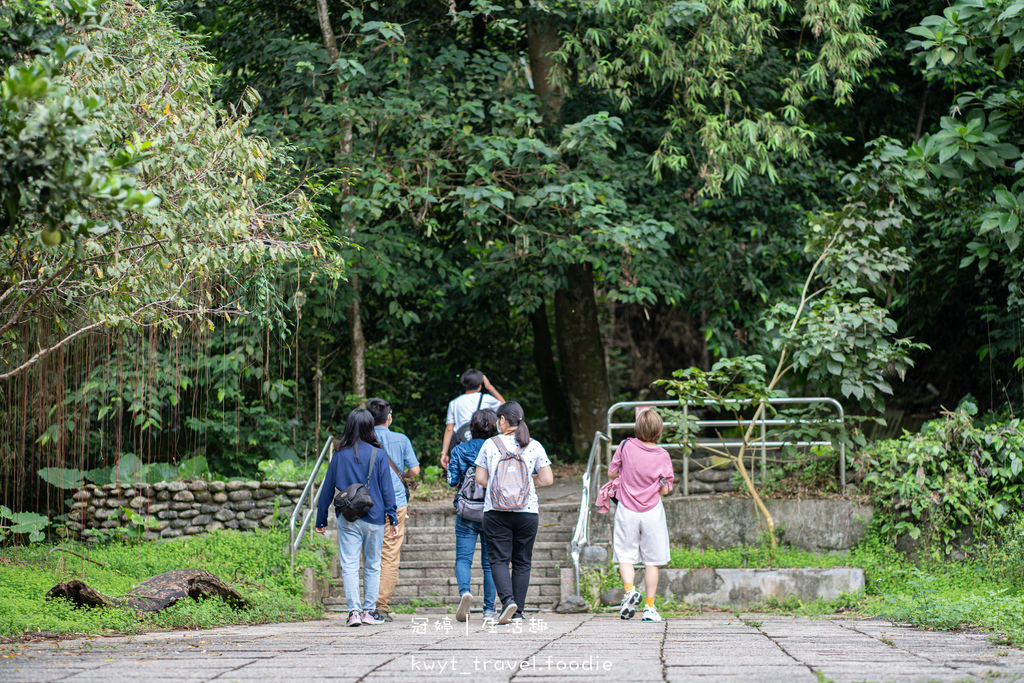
326 494
482 476
449 429
615 466
668 475
492 391
409 461
456 468
544 477
387 492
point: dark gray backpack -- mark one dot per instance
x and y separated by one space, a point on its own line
469 503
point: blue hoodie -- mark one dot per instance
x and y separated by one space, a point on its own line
345 471
463 457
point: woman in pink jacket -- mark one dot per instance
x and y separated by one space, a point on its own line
641 533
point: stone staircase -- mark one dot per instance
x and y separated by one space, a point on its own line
427 570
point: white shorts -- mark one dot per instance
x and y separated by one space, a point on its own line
641 536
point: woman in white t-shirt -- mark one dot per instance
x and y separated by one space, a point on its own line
511 519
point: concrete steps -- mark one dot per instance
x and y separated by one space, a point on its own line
427 570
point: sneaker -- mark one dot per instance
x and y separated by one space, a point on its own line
353 618
651 614
489 614
371 617
517 617
384 615
507 612
465 604
627 608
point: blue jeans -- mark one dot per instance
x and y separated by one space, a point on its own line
355 538
465 543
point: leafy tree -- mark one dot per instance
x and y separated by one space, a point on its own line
220 223
833 333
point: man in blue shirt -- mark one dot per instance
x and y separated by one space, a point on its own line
403 466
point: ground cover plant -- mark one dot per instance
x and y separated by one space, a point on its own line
254 563
984 590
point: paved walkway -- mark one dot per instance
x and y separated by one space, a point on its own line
576 648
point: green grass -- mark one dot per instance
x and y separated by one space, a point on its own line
981 592
753 557
254 563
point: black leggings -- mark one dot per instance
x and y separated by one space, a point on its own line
510 537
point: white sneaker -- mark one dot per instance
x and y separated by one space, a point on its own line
465 604
627 608
651 614
507 612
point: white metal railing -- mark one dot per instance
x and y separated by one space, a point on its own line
591 475
295 539
761 441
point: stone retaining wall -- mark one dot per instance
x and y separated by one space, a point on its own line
185 508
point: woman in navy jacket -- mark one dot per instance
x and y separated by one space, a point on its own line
365 536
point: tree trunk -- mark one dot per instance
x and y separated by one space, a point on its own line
550 383
582 356
541 42
155 594
355 327
355 321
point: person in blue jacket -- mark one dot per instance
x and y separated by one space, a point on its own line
482 426
365 536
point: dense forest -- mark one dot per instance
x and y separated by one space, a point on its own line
226 223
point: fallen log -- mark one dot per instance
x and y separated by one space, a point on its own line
155 594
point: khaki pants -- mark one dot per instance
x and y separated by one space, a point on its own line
390 555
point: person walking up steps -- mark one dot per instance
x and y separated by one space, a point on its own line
645 474
403 465
359 460
511 466
469 523
461 409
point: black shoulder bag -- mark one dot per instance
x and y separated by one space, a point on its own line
355 500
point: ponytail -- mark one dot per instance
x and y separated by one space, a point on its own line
522 434
513 414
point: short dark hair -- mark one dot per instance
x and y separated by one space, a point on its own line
472 379
484 424
380 409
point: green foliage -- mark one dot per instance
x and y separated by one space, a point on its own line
127 470
251 562
286 470
951 479
738 91
56 170
30 523
761 556
221 219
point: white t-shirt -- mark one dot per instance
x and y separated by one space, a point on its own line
461 409
533 455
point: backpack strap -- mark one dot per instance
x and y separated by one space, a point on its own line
504 451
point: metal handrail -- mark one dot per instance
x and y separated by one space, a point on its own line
295 539
581 534
764 422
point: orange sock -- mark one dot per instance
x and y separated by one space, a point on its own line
650 602
627 587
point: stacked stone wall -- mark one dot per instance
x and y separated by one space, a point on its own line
185 508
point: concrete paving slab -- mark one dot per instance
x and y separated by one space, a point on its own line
575 648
